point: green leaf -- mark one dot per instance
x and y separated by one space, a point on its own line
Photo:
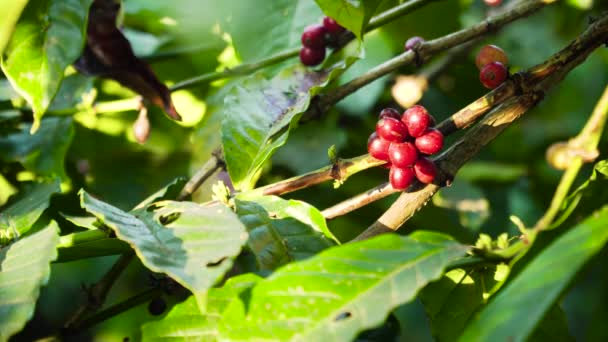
260 113
451 301
24 268
48 37
43 153
341 291
282 27
11 11
518 308
282 231
169 192
192 244
351 14
185 322
19 217
589 196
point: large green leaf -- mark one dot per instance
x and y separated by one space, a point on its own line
48 37
518 308
589 196
19 217
11 11
24 268
281 231
259 114
342 291
282 27
185 322
192 244
452 301
352 14
43 153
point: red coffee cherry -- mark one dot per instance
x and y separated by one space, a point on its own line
430 142
332 27
390 113
493 74
391 129
314 37
312 57
402 155
489 54
425 170
378 147
412 42
417 119
492 3
401 179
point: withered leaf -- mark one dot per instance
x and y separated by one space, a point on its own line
109 54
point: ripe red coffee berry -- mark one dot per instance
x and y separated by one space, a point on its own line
425 170
493 74
417 119
430 142
400 178
402 154
312 57
391 129
412 42
390 113
489 54
378 147
332 27
314 37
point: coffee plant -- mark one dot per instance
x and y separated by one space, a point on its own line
299 170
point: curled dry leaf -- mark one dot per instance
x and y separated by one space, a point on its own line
141 126
109 54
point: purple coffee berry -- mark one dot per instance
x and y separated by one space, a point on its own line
312 57
390 113
413 42
314 37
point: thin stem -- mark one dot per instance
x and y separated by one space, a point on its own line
98 293
213 164
395 12
338 171
119 308
243 69
587 139
374 194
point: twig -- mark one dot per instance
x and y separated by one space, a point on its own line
116 309
532 84
356 202
339 171
588 140
214 163
425 50
99 291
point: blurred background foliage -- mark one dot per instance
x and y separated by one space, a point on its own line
184 38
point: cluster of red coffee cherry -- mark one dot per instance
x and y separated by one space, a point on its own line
492 62
316 37
404 142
